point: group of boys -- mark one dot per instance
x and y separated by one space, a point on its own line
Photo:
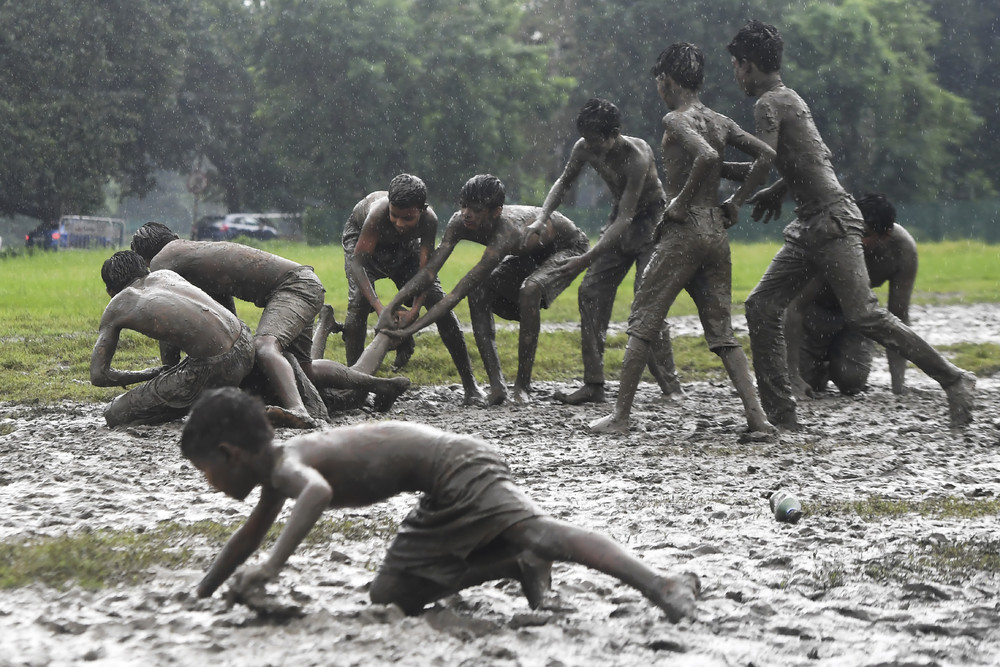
472 524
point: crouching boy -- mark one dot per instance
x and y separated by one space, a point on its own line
471 525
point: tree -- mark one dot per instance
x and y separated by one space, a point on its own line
81 82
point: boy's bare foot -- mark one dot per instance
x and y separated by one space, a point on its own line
608 425
536 578
675 395
592 392
474 396
403 354
676 595
961 399
327 323
521 395
496 396
384 400
768 433
285 418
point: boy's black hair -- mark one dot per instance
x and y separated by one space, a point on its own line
226 414
149 239
760 43
407 191
123 267
878 212
599 116
684 63
483 189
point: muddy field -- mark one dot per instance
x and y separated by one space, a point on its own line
680 490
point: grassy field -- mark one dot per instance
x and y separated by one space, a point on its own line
51 304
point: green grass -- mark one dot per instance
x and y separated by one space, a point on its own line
51 304
875 508
96 559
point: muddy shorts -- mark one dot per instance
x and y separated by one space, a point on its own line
289 311
169 395
473 501
542 269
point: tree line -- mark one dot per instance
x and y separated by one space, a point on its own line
291 104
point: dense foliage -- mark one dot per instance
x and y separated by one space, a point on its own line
286 104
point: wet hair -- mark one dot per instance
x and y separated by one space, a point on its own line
407 191
149 239
483 189
123 267
878 212
226 414
599 117
684 63
760 43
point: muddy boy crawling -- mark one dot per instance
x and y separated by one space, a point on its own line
471 524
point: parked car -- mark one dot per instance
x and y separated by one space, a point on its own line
228 227
44 237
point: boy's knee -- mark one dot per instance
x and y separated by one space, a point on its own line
530 295
758 309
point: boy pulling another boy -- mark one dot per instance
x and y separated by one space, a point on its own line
472 524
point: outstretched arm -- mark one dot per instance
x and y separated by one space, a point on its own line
419 283
558 190
756 174
243 542
363 249
101 373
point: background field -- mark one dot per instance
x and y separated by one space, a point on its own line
51 304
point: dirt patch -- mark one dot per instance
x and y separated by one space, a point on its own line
839 587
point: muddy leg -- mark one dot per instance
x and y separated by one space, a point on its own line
738 369
636 354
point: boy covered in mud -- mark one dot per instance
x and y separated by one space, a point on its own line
471 524
516 277
821 347
692 247
391 234
183 318
291 296
824 240
627 166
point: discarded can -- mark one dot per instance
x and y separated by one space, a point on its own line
786 507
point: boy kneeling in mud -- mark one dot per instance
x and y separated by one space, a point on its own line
472 524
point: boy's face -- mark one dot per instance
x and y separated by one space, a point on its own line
667 87
404 219
479 216
227 474
742 71
597 143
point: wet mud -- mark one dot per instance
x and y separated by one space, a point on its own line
680 489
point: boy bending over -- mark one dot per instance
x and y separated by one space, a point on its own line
472 524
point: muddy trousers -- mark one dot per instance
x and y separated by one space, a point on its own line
840 262
596 298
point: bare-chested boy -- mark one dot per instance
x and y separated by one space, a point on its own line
824 239
290 294
471 525
516 277
692 250
169 309
391 234
628 167
821 347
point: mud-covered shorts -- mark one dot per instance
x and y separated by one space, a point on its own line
542 269
169 395
473 501
289 311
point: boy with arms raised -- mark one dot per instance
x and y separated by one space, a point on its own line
471 525
825 239
516 277
692 250
628 168
391 234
